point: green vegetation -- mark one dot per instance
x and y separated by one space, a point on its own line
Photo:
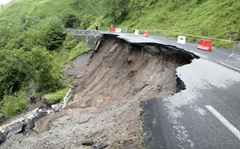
141 147
197 17
141 109
13 104
67 55
79 49
55 97
33 47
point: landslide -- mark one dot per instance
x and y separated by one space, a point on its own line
105 107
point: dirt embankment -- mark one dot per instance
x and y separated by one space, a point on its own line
105 108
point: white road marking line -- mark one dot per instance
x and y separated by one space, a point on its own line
203 56
230 66
225 122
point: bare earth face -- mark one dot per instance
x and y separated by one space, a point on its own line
105 108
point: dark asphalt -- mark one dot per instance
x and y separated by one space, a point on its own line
183 121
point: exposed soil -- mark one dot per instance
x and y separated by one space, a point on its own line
105 108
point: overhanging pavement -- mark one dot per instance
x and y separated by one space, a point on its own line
204 116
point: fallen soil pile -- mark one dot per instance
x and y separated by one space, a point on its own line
105 110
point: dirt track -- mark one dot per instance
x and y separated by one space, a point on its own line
105 107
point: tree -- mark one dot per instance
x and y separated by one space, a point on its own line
2 5
115 7
7 32
31 21
87 21
123 6
18 68
70 42
111 8
49 35
137 5
69 18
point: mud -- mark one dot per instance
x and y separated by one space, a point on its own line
105 108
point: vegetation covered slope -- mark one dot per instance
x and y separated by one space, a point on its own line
33 47
198 17
217 19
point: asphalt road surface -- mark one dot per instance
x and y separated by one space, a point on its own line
204 116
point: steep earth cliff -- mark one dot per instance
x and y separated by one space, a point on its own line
105 110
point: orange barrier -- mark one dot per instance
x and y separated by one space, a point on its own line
201 45
145 34
208 45
113 30
205 45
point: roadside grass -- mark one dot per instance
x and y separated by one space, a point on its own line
64 56
79 49
55 97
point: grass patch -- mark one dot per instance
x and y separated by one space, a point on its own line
53 98
65 56
79 49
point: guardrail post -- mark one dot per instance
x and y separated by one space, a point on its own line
166 35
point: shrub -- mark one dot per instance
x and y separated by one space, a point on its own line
13 104
70 42
69 18
79 49
18 67
87 20
55 97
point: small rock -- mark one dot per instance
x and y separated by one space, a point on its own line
55 108
88 143
75 83
79 76
3 138
27 126
102 145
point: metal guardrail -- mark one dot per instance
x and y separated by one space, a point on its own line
83 32
124 29
235 49
160 33
106 29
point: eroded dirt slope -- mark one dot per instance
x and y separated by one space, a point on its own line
105 107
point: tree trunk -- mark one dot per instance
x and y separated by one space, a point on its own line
123 13
114 15
79 5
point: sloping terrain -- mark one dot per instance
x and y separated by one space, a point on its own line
217 19
105 108
15 10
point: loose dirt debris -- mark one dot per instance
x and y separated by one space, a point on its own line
105 109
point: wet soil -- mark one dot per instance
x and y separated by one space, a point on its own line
106 103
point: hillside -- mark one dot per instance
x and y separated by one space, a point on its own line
197 17
16 10
34 28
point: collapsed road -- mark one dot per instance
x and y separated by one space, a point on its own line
105 110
